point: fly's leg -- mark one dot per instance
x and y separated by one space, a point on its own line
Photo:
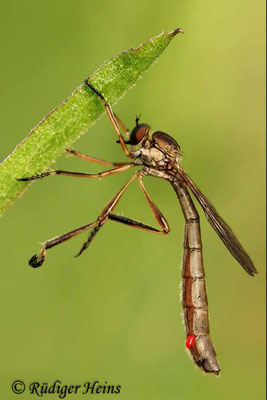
161 220
78 174
121 124
136 224
37 260
98 160
115 122
94 159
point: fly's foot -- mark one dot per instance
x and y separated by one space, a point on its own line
36 260
33 178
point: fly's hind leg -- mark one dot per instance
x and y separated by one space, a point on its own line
37 260
161 220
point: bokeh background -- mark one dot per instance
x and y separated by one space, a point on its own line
114 314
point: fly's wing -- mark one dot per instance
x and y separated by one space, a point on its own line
221 227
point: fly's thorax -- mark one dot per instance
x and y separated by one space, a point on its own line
151 156
167 145
157 156
162 152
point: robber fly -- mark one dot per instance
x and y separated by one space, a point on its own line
159 155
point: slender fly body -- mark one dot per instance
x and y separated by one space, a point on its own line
159 155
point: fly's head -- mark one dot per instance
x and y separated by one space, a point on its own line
139 134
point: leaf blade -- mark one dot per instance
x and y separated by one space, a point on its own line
66 122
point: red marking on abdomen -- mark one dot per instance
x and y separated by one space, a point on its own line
190 341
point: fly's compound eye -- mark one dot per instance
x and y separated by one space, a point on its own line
138 134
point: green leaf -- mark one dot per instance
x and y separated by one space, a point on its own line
65 123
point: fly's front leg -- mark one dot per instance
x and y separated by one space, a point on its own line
194 293
114 121
121 124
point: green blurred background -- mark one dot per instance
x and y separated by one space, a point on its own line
114 314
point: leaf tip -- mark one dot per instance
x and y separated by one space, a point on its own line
176 31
